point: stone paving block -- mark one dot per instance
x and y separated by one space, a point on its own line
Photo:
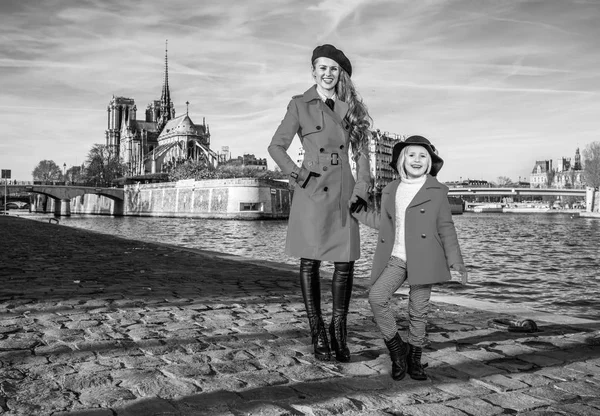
330 406
261 378
269 393
559 373
369 402
578 409
482 355
426 410
262 408
108 396
474 406
580 388
358 369
85 412
550 393
589 367
145 383
303 373
512 349
516 401
463 389
512 365
148 407
531 379
500 383
81 381
544 411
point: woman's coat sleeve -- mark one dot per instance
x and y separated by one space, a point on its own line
281 141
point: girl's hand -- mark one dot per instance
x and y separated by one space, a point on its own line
460 268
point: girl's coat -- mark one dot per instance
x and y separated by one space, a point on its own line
430 237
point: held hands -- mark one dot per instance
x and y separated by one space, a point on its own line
460 268
358 205
310 175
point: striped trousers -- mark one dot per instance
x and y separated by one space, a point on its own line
380 297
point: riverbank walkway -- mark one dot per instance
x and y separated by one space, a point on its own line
94 325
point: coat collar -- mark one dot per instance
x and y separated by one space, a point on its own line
341 107
421 197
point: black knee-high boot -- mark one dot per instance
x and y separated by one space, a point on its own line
311 292
343 277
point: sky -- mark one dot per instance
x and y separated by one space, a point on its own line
495 84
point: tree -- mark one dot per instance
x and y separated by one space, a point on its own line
74 174
46 170
591 164
504 181
103 166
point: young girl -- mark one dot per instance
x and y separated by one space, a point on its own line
417 243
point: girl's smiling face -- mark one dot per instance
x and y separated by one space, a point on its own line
416 161
326 73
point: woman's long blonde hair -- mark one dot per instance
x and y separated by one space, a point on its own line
358 115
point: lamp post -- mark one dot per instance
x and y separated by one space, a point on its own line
65 173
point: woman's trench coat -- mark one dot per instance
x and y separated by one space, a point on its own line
430 237
320 225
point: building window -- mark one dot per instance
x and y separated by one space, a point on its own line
251 206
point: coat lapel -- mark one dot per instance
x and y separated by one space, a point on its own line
340 109
424 193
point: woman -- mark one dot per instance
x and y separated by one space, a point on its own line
331 121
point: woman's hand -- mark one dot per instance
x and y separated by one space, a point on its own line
460 268
357 204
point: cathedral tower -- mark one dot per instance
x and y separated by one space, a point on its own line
167 111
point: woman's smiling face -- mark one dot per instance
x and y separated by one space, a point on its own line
326 73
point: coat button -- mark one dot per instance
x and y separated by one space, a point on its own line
347 127
324 167
325 189
318 127
321 150
341 146
423 236
422 211
383 240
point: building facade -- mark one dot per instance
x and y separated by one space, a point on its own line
568 173
161 139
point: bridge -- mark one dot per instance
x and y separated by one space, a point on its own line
62 194
516 192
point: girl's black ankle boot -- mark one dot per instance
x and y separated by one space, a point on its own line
398 352
415 369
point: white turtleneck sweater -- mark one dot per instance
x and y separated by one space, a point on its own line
407 189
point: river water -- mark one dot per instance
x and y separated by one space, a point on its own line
547 262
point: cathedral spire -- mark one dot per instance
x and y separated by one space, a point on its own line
166 106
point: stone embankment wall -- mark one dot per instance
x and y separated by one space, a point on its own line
240 198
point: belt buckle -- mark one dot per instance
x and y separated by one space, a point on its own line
335 159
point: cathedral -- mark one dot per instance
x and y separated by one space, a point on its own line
161 139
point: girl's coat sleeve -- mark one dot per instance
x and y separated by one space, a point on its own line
447 232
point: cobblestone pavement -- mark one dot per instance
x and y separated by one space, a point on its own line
99 326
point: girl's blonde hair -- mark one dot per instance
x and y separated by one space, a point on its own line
402 158
358 115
